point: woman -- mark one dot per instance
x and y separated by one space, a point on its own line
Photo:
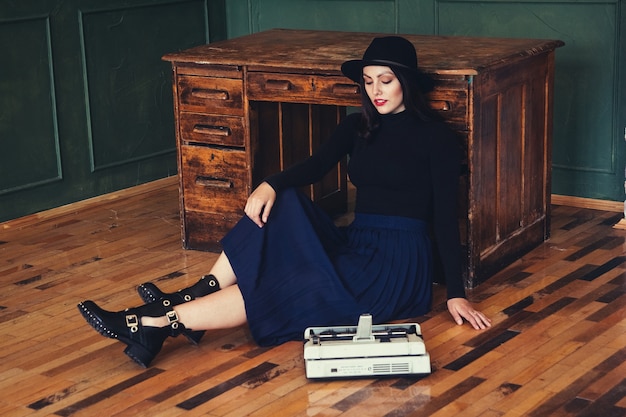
285 265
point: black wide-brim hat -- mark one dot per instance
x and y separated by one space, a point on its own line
395 52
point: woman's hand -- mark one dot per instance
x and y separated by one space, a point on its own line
461 309
260 204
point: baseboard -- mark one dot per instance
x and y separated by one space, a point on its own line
561 200
590 203
77 206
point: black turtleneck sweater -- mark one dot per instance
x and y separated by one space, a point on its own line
409 168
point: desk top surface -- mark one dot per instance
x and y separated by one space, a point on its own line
327 50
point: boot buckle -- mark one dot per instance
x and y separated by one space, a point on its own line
172 318
132 322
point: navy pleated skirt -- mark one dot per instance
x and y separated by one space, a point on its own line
300 270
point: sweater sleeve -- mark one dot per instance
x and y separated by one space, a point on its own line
313 168
445 170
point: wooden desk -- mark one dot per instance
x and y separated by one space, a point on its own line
250 106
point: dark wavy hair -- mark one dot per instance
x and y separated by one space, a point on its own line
414 99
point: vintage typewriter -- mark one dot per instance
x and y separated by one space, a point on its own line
365 351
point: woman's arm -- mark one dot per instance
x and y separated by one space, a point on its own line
260 203
445 166
461 308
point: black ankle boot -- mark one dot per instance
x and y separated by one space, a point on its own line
144 342
206 285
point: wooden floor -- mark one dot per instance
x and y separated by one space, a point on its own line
557 347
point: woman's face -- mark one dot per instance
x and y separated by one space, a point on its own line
384 89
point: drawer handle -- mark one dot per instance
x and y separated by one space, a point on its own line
214 182
346 89
441 105
212 130
283 85
209 94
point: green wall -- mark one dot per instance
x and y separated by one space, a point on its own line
86 105
85 99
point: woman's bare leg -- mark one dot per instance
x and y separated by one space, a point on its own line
223 309
220 310
223 271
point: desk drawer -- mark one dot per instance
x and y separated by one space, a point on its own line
452 104
302 88
211 129
214 179
210 95
449 98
